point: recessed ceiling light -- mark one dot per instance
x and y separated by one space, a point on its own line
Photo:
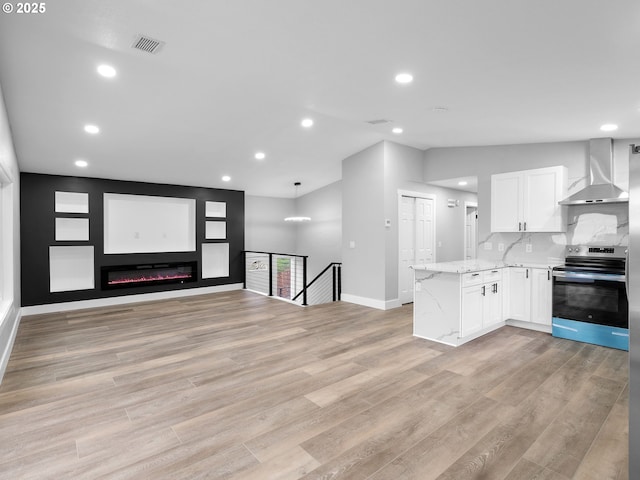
106 71
81 163
260 156
608 127
462 183
397 130
91 129
307 122
404 78
226 178
439 109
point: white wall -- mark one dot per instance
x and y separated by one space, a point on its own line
321 238
265 228
10 238
363 214
450 222
402 171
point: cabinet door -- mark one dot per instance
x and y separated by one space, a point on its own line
544 188
472 309
492 308
506 202
541 296
519 294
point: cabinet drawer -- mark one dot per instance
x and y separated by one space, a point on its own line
474 278
493 275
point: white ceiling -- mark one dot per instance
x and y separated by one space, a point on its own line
236 77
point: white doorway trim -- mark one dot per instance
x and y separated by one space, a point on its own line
414 194
468 205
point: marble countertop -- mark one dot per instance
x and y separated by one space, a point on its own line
466 266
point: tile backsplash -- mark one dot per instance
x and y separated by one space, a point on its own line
603 224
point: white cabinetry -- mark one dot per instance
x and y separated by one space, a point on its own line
530 295
541 296
481 301
527 201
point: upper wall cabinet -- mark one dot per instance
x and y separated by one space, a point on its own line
527 201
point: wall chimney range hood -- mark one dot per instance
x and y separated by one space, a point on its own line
601 188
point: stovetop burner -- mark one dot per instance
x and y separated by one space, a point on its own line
584 258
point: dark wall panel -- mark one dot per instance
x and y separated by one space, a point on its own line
37 234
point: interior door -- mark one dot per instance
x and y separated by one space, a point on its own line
407 248
424 230
416 240
471 232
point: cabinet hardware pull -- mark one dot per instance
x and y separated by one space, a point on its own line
525 226
475 274
483 290
527 273
548 275
519 226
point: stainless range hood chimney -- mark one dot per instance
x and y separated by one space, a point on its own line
601 188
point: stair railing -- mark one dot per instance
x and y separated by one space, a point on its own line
284 275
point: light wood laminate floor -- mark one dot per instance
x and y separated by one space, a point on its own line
239 386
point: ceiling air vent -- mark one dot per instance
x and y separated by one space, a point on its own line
379 121
147 44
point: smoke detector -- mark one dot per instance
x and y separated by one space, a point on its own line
147 44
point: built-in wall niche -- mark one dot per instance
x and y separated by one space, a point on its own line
216 209
148 224
71 268
71 202
215 260
215 230
72 229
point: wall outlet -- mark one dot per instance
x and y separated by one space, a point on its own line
501 247
488 246
352 244
528 248
418 287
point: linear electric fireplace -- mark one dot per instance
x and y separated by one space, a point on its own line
126 276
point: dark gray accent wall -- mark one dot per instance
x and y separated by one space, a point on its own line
37 234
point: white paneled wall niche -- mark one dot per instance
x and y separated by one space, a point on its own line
71 268
215 260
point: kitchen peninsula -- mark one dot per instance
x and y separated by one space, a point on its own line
455 302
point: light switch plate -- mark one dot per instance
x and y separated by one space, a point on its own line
488 246
529 248
501 247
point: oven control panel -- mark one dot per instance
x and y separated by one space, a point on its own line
591 251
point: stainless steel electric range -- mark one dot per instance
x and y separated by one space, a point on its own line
590 296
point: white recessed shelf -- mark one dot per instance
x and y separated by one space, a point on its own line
216 209
72 229
72 202
71 268
148 224
215 260
215 230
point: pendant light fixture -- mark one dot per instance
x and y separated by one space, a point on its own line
296 218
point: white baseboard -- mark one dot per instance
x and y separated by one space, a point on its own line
10 320
126 299
371 302
529 325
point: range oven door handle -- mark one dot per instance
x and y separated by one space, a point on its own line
609 277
